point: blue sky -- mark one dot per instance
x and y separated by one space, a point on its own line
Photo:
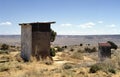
73 17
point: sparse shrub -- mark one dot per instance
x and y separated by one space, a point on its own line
4 47
4 68
108 65
90 50
4 51
113 45
59 48
94 68
53 35
112 70
52 52
67 66
19 67
56 70
80 51
87 44
71 49
81 44
18 48
86 49
117 58
48 62
12 46
93 49
6 58
64 46
77 55
105 66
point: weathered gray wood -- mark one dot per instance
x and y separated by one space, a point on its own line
41 44
35 40
26 42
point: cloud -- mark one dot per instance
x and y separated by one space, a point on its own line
5 23
112 26
87 25
66 25
70 32
100 22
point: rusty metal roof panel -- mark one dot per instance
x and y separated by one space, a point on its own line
104 44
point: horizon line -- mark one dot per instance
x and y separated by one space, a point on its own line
62 34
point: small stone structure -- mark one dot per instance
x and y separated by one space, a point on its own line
35 40
104 51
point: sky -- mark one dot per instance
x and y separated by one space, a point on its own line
72 17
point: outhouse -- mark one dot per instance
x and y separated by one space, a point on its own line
104 51
35 40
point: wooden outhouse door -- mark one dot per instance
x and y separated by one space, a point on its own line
41 41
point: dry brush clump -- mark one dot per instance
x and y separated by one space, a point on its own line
10 66
64 47
4 47
52 52
8 62
77 55
59 49
72 49
80 50
68 66
74 70
13 48
4 67
41 72
90 50
116 58
6 58
74 56
18 58
106 66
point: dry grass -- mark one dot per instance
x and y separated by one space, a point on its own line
107 66
72 64
77 55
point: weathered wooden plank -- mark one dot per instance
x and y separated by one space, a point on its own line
26 47
41 44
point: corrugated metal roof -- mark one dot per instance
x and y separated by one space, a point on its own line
37 23
104 44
